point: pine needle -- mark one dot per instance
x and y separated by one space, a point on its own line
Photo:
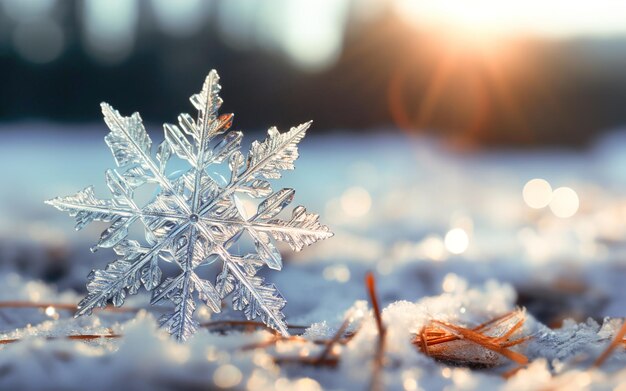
375 384
618 340
435 340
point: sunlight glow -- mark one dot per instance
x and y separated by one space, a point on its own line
555 18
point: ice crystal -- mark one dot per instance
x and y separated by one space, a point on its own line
194 219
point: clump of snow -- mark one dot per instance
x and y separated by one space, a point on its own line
146 357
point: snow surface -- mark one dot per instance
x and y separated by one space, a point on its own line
418 190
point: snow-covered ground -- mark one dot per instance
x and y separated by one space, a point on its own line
448 235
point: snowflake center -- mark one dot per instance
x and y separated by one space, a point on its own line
193 218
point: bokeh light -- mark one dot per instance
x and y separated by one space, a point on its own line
409 384
227 376
307 384
314 31
110 27
181 18
456 241
431 247
537 193
564 202
339 273
51 312
356 202
39 41
27 10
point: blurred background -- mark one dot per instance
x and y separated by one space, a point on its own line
469 139
479 73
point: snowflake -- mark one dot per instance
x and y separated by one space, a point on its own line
194 219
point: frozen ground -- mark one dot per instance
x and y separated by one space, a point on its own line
391 201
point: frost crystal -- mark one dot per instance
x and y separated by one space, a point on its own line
193 219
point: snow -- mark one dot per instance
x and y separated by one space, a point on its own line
568 272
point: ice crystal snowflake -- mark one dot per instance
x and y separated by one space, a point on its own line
193 219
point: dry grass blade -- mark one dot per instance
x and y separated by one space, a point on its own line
326 358
60 306
81 337
316 362
618 340
248 325
380 348
474 347
329 346
231 323
512 372
370 282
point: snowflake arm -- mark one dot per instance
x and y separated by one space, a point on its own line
193 221
85 207
250 294
303 229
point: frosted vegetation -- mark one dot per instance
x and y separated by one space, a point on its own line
147 358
